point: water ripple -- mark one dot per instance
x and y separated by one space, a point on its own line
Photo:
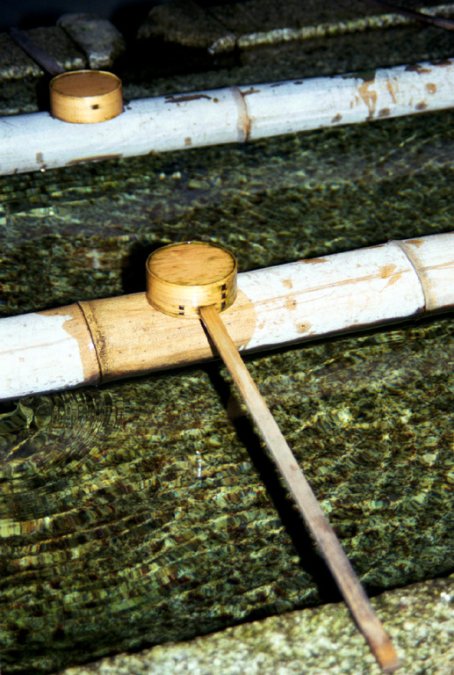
45 439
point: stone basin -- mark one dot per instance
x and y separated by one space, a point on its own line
145 512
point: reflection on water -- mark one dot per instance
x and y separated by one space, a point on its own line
43 442
71 421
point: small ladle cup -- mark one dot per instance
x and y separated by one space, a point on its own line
76 96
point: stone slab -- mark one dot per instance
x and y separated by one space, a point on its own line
420 619
183 22
98 38
15 64
57 43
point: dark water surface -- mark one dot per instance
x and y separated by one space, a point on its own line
144 511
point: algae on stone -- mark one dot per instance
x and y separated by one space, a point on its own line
420 619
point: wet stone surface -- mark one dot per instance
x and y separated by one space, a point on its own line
420 618
101 42
58 45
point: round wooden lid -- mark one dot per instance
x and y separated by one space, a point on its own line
183 277
86 96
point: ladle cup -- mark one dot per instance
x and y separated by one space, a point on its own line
76 96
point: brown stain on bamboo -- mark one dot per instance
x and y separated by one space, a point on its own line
313 261
417 68
414 242
303 327
391 91
244 120
185 98
94 158
386 271
442 63
389 272
369 96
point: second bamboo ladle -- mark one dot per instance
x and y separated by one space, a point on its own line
198 280
76 96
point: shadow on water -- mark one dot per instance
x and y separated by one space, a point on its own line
312 563
133 275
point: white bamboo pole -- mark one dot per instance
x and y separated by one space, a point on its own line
99 340
231 115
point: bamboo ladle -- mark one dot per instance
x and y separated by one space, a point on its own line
198 280
76 96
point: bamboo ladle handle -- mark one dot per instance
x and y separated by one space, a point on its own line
302 493
202 282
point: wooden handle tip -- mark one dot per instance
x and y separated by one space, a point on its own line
386 656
